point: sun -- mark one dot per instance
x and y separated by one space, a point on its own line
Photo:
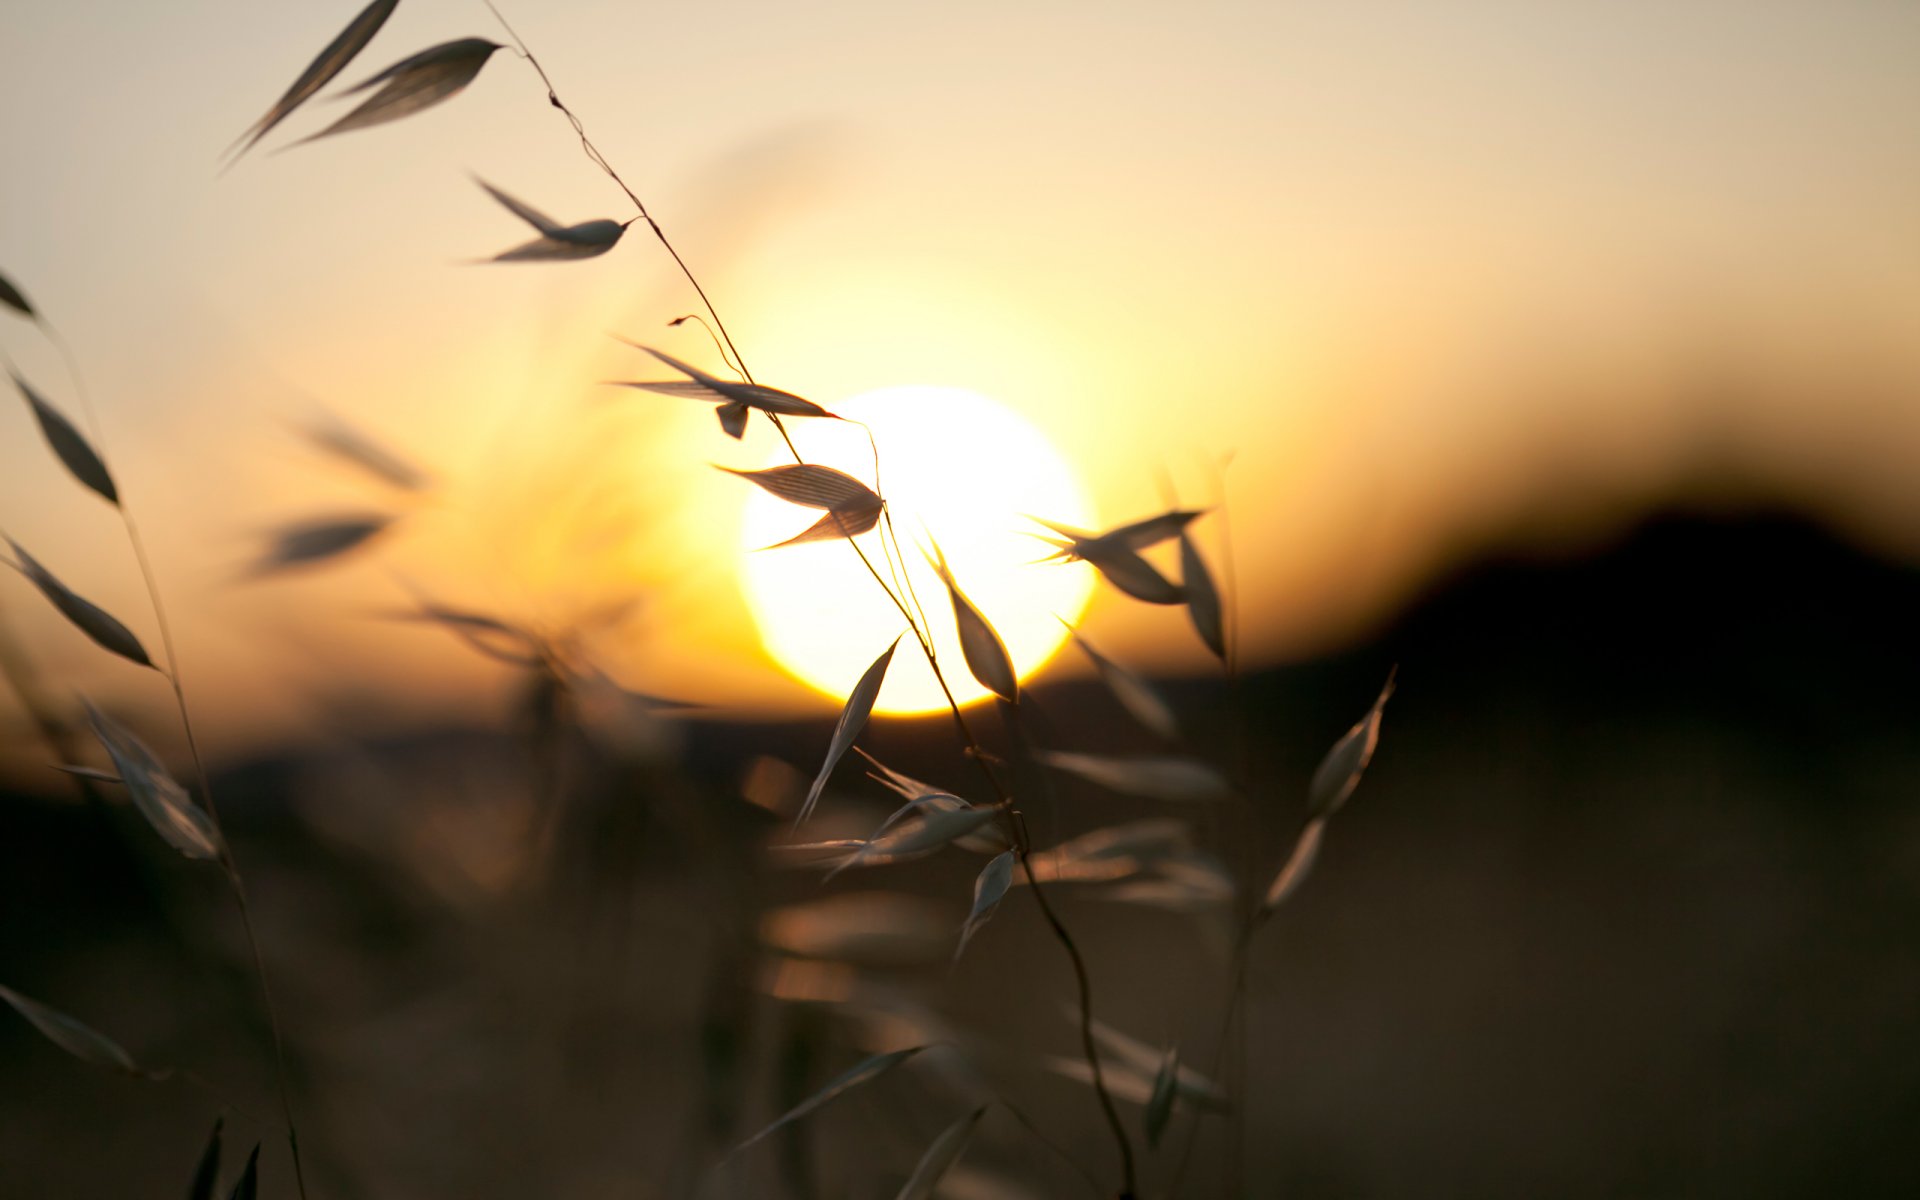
956 468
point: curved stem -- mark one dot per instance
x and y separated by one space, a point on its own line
273 1017
922 634
600 160
1237 977
172 674
725 357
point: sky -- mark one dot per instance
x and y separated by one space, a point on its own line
1430 280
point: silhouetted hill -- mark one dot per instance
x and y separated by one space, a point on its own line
1769 616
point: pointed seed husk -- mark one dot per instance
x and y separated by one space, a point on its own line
1339 772
753 395
814 486
1134 693
980 644
14 298
835 526
1135 576
305 543
320 72
161 798
69 445
1203 599
589 239
933 831
853 719
414 83
988 890
1300 860
92 620
73 1036
556 241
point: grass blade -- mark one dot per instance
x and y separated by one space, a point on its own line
1339 772
88 617
161 798
68 444
853 719
320 72
865 1071
76 1038
940 1157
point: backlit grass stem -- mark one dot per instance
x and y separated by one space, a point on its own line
922 634
171 670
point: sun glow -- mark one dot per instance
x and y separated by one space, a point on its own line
956 467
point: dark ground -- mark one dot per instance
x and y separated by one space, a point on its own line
1629 905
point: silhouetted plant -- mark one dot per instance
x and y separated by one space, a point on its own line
1148 861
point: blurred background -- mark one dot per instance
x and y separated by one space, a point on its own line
1561 356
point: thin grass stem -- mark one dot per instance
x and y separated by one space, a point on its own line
921 634
171 671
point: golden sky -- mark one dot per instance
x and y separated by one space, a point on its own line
1435 276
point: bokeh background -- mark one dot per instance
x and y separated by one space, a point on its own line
1561 355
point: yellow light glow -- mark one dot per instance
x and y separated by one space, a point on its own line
954 465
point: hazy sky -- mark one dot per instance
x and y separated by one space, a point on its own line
1436 276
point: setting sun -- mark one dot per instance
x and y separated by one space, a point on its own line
956 467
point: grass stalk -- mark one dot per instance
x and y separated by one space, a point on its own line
922 635
171 671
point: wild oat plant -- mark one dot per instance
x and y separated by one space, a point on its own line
1152 1100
